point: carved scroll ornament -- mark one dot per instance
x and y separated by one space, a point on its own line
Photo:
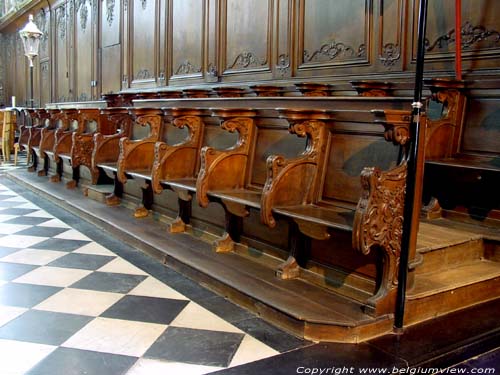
247 59
332 50
470 35
211 158
378 221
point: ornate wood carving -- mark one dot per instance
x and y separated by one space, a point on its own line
378 222
187 68
470 35
292 181
165 166
83 13
390 54
247 59
332 50
110 11
396 124
143 74
283 64
61 21
144 4
227 168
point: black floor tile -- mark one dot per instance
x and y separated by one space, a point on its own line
43 327
4 251
18 211
25 295
69 361
146 309
82 261
60 244
109 282
26 220
336 358
42 231
11 271
226 309
192 290
270 335
201 347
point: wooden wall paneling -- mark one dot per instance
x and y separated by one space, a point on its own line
283 32
43 82
480 36
162 42
212 34
389 33
125 31
187 41
143 48
20 73
61 84
84 50
246 39
333 37
110 60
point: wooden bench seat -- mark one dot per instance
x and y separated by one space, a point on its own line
463 152
39 118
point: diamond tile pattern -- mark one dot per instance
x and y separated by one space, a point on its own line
68 302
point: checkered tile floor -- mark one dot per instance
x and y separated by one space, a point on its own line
69 305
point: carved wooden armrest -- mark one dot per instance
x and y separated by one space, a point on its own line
293 181
378 223
178 161
81 151
134 155
226 169
63 144
396 124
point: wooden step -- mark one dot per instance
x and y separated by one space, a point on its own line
442 292
99 192
302 308
442 247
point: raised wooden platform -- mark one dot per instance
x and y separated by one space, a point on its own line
470 272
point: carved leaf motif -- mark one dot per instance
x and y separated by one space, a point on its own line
332 50
187 68
470 35
390 54
84 13
247 59
110 11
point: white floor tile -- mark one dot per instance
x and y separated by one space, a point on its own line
53 276
120 265
152 287
79 301
28 205
251 350
17 198
54 223
8 313
154 367
195 316
94 248
72 234
6 217
12 228
18 357
20 242
116 336
40 213
31 256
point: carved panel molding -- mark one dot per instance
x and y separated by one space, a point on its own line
470 35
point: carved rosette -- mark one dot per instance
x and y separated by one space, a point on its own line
390 54
378 221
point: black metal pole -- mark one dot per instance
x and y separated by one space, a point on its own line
412 157
32 100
